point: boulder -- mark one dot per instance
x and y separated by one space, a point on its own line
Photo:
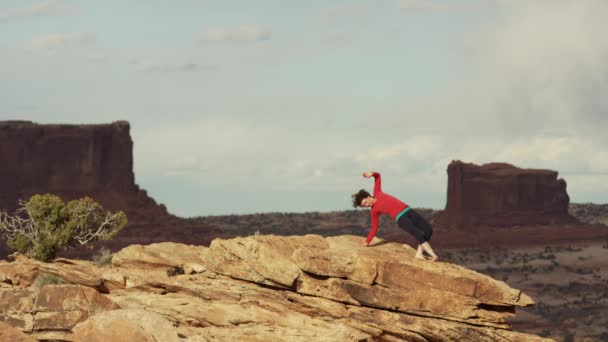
386 276
162 255
51 308
126 325
18 274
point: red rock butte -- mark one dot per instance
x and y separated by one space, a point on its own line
73 161
500 194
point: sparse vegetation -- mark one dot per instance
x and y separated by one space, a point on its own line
46 279
44 225
103 257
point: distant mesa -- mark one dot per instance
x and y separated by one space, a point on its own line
73 161
500 194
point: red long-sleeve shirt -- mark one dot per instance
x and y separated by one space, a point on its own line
385 204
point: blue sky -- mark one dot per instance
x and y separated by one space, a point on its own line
242 106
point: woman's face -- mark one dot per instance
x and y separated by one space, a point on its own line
367 202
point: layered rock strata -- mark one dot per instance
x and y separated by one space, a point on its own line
259 288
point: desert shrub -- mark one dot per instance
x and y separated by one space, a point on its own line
46 279
44 225
103 257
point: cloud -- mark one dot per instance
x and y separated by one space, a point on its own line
184 67
212 144
245 153
241 34
550 61
414 148
541 70
39 9
151 64
569 154
422 5
98 58
348 11
52 42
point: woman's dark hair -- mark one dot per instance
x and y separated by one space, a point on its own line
359 196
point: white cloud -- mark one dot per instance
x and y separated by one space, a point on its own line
217 145
423 5
243 153
40 8
166 61
571 155
542 70
349 10
414 148
241 34
550 61
52 42
183 67
98 58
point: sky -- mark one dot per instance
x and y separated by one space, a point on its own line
278 105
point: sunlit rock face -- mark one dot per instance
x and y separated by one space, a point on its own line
259 288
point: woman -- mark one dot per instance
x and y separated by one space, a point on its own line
406 217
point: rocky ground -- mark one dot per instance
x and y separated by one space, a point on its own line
590 212
259 288
569 283
558 266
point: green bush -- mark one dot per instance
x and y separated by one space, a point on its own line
44 225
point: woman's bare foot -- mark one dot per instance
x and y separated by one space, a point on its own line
420 256
434 258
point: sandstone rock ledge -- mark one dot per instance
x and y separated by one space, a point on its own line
259 288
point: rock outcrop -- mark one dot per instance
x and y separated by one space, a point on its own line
260 288
8 333
73 161
500 194
127 325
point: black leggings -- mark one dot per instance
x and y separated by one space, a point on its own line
416 225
